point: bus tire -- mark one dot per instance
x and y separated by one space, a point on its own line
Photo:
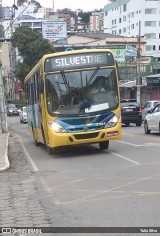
50 150
43 135
35 140
104 145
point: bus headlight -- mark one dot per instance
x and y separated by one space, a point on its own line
113 122
56 127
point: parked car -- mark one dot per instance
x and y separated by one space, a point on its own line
152 120
148 107
12 110
23 115
131 112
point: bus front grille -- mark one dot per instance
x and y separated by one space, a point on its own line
86 136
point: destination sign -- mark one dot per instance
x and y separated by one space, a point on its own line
77 61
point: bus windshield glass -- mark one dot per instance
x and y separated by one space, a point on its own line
81 92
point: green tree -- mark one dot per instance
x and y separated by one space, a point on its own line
31 47
85 16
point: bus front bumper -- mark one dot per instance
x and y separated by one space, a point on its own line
68 139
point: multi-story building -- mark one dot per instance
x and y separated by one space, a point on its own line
96 21
46 11
66 18
34 24
135 18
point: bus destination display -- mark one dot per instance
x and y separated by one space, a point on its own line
76 61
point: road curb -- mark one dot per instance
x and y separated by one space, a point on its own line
6 164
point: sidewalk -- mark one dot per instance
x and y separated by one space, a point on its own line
4 162
24 200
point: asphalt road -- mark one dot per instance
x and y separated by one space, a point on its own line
85 186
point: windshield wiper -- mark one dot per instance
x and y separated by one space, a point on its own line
92 76
65 82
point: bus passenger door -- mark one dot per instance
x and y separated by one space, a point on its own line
33 116
42 116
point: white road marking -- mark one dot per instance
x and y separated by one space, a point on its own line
125 158
35 168
139 145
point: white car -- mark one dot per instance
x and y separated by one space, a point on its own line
148 107
23 115
152 120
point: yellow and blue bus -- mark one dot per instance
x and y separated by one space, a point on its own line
73 98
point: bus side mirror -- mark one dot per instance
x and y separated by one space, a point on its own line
41 86
117 70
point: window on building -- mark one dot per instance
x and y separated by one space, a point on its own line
124 18
150 23
132 26
124 30
151 36
159 47
150 11
148 48
155 59
132 14
154 47
124 7
106 13
120 31
37 24
120 20
29 24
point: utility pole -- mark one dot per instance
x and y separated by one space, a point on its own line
138 80
2 104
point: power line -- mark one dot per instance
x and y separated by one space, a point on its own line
17 17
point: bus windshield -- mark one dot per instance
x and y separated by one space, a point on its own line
80 92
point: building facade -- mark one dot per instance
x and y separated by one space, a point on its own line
135 18
96 21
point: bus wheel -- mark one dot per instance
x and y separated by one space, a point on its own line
104 145
44 140
51 150
35 141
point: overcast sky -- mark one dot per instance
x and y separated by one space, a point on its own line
85 5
